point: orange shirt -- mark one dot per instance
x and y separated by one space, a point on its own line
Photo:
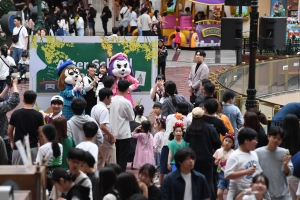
227 124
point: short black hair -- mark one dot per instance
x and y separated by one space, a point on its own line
115 30
108 81
182 154
183 108
275 130
211 105
204 81
123 85
89 159
157 105
90 129
228 94
29 96
93 65
78 105
246 134
150 168
209 89
76 154
202 53
18 18
103 93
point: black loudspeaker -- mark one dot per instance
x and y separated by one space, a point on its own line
238 2
231 32
272 32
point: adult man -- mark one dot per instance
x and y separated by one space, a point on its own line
121 113
184 183
26 121
198 72
6 106
57 103
104 16
145 22
107 152
20 44
74 125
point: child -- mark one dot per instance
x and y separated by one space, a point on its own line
176 143
243 163
144 147
56 104
160 126
64 182
101 75
74 159
162 57
90 130
107 183
88 168
259 187
51 150
221 156
275 162
114 36
177 39
146 175
139 112
23 65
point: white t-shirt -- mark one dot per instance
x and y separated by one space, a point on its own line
90 147
4 70
220 153
121 113
161 100
154 19
250 197
133 21
23 62
64 25
145 21
46 150
188 194
100 114
23 36
240 160
80 23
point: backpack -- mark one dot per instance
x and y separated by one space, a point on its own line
109 15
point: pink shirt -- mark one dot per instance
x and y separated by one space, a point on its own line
220 153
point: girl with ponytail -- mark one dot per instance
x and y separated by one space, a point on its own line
64 182
51 151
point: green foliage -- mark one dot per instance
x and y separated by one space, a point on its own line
5 7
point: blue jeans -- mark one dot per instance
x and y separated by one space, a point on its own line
66 33
16 55
140 31
2 86
80 32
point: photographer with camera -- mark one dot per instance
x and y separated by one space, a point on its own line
6 62
6 106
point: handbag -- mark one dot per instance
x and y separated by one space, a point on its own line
121 15
15 38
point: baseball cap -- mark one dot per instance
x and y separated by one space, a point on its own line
57 99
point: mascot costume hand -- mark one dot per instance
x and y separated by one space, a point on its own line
70 86
120 69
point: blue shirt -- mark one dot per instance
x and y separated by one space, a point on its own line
173 186
296 163
290 108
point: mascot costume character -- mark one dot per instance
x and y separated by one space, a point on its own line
120 69
70 86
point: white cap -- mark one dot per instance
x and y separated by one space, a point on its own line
57 97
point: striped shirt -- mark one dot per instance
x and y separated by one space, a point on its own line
169 108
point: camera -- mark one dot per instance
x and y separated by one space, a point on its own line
9 78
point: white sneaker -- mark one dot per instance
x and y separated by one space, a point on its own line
18 76
23 76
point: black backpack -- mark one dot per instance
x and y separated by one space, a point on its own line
109 15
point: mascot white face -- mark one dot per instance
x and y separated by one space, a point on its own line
73 76
121 68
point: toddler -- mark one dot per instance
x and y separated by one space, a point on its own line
23 65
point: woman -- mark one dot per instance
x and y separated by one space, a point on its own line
64 24
90 82
157 92
252 121
80 24
203 138
172 99
258 189
107 182
291 129
156 31
125 19
67 142
199 16
156 18
5 62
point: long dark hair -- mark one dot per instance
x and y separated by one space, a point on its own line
156 14
139 110
4 51
170 89
127 185
151 170
107 181
67 20
196 127
60 124
261 116
251 120
291 138
50 132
